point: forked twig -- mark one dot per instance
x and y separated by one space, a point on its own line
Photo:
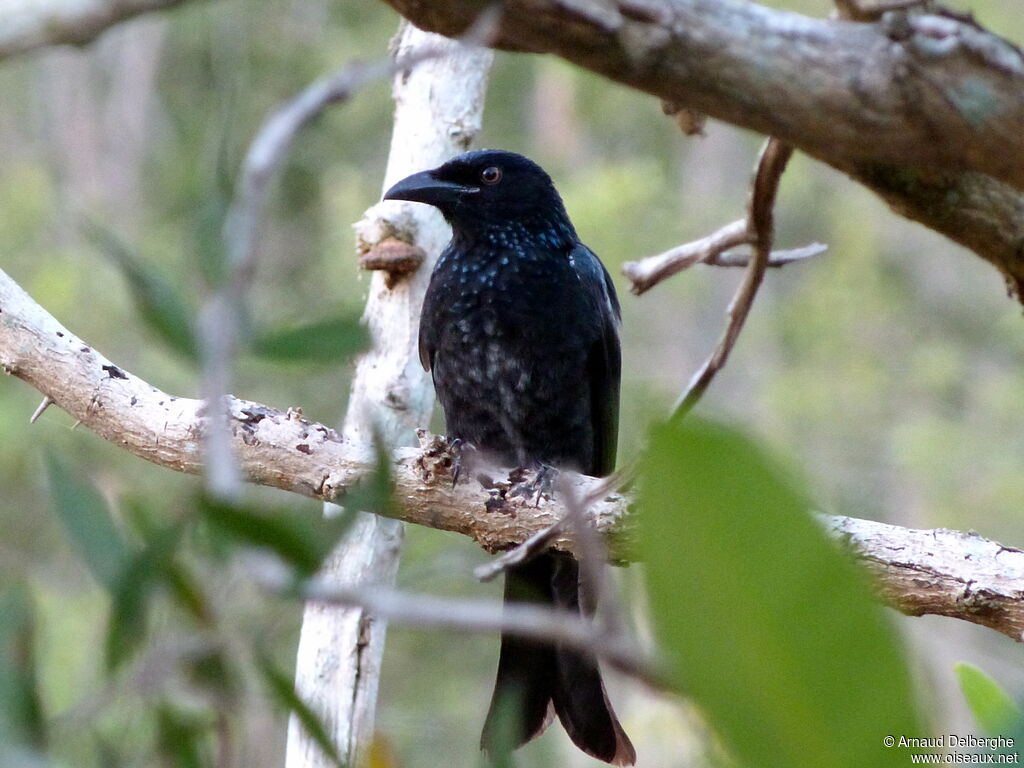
761 229
712 250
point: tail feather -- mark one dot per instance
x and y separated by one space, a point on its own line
521 703
535 678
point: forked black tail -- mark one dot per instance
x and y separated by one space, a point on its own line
537 680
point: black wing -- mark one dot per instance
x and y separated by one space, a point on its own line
428 330
604 361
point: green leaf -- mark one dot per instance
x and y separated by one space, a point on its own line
208 233
21 710
86 517
993 709
150 568
181 737
158 302
375 491
212 671
328 342
283 692
769 628
108 754
302 539
187 591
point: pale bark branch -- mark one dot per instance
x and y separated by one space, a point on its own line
939 571
438 112
29 24
949 573
922 108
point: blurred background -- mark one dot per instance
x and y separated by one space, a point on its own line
890 370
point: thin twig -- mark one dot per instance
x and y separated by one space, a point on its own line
529 549
592 555
764 189
710 250
775 260
465 615
47 402
648 273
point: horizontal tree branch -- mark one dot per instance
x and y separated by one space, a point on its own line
924 109
949 573
29 24
939 571
280 449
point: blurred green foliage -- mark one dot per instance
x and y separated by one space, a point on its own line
889 369
997 714
768 625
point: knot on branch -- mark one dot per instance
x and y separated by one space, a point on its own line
394 257
435 460
690 121
980 601
945 33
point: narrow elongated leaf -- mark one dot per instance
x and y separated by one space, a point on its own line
283 692
86 517
374 492
181 738
214 672
21 710
301 539
189 594
770 628
148 569
159 304
328 342
208 233
992 707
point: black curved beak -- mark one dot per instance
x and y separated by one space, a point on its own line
424 187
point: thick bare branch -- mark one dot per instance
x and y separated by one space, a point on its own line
26 25
924 109
940 572
280 449
949 573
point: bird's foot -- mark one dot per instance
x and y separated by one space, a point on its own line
542 484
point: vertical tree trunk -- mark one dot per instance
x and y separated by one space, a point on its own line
438 109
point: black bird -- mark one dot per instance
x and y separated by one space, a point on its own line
520 333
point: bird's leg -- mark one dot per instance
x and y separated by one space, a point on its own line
544 481
463 455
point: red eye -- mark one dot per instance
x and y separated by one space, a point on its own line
490 175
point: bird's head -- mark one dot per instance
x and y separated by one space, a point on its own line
488 188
